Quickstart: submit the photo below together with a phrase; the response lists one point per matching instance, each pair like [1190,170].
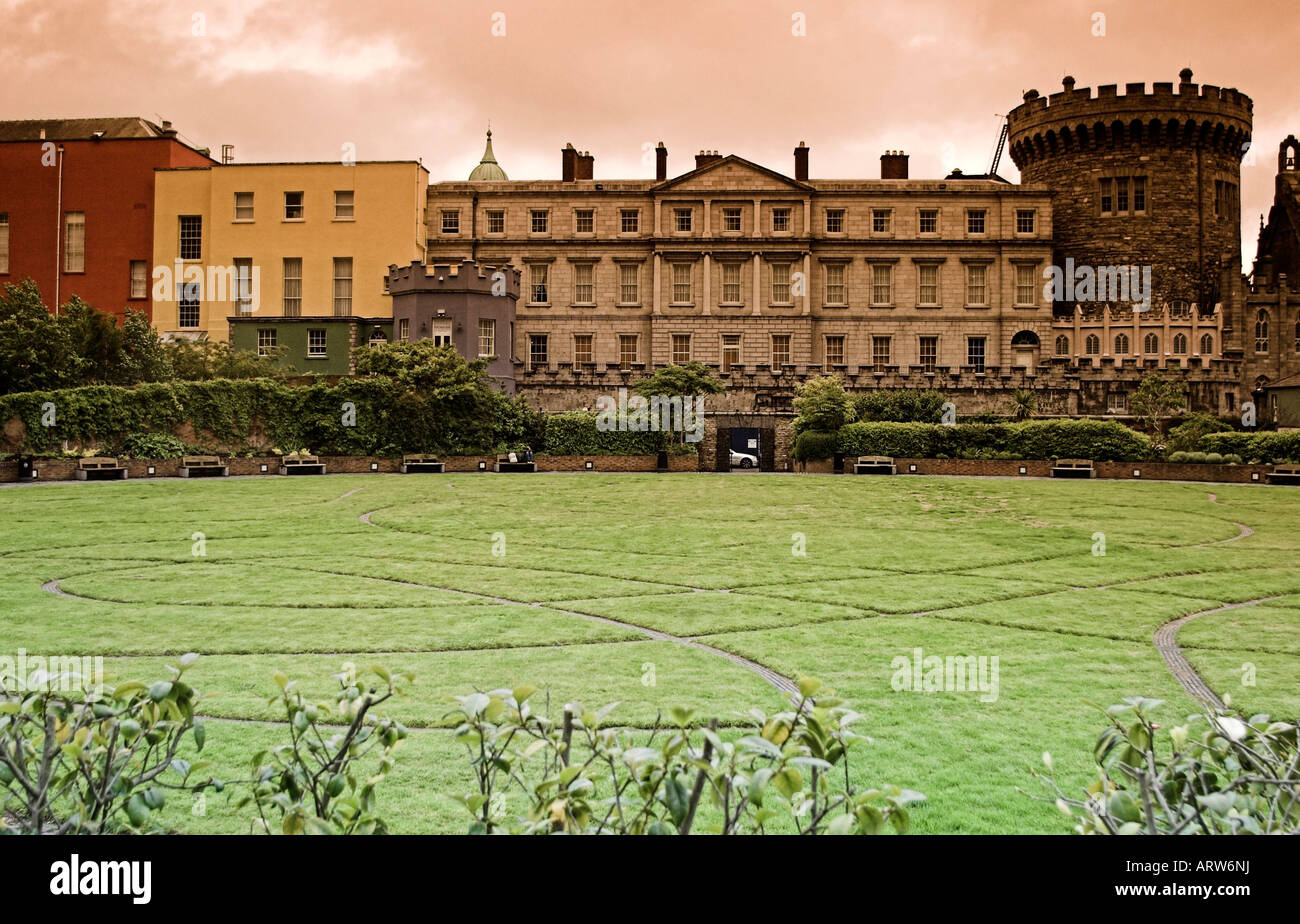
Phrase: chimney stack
[568,163]
[585,166]
[661,162]
[893,165]
[801,162]
[704,158]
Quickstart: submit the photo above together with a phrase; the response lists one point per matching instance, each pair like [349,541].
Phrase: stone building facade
[1271,330]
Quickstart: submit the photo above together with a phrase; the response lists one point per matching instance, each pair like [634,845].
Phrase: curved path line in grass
[1166,642]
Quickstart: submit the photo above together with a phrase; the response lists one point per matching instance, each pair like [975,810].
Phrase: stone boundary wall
[1039,468]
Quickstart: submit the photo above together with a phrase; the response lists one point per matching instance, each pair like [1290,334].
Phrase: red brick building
[76,206]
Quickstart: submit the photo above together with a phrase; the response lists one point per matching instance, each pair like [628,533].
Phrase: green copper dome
[488,168]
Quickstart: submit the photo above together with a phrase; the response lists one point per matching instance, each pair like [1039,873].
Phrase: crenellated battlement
[452,278]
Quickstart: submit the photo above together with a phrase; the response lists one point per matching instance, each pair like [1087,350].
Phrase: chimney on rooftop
[801,162]
[661,162]
[167,130]
[704,158]
[893,165]
[585,167]
[568,163]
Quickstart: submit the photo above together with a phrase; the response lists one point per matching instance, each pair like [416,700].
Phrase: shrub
[1217,774]
[814,444]
[1186,437]
[1101,440]
[823,404]
[911,440]
[1214,458]
[576,434]
[1278,446]
[153,446]
[899,405]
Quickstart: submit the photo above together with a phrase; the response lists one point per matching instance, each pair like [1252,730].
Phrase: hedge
[1100,440]
[814,444]
[575,434]
[1280,446]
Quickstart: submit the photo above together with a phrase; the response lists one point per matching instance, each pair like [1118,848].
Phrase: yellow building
[253,243]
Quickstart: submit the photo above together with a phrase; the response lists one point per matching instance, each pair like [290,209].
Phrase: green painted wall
[292,337]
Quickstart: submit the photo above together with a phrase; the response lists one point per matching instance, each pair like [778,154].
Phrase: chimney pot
[893,165]
[661,162]
[801,162]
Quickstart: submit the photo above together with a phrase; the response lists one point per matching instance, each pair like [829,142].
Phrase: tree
[96,343]
[35,351]
[1156,400]
[1023,404]
[201,360]
[144,355]
[685,382]
[823,404]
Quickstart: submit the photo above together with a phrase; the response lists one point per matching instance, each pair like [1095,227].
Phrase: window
[731,219]
[4,242]
[539,221]
[487,337]
[1117,402]
[451,221]
[1207,342]
[882,279]
[1180,344]
[293,206]
[626,350]
[496,221]
[537,283]
[1024,221]
[342,286]
[244,285]
[976,284]
[1139,194]
[682,217]
[929,353]
[1121,344]
[316,341]
[243,206]
[681,349]
[835,350]
[835,288]
[975,353]
[1261,331]
[881,221]
[681,283]
[1107,196]
[1123,195]
[292,287]
[628,284]
[1026,287]
[1151,344]
[880,351]
[191,245]
[927,284]
[404,329]
[834,221]
[1297,335]
[266,341]
[537,351]
[584,290]
[139,279]
[629,221]
[975,221]
[928,221]
[780,350]
[780,219]
[187,305]
[1062,345]
[730,351]
[731,283]
[583,349]
[1092,345]
[344,200]
[584,221]
[780,283]
[377,338]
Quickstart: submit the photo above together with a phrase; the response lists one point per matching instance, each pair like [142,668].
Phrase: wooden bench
[203,467]
[298,464]
[1284,474]
[875,465]
[503,464]
[100,468]
[1073,468]
[421,462]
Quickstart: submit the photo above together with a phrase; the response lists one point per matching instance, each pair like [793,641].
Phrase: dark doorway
[746,448]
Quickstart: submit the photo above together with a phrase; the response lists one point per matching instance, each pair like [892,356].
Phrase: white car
[743,460]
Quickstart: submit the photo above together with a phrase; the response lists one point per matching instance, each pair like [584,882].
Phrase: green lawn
[588,584]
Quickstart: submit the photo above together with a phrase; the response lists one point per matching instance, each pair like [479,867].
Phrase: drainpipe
[58,232]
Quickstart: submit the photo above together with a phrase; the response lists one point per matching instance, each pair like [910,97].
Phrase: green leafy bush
[153,446]
[1100,440]
[1276,446]
[1186,437]
[575,434]
[814,444]
[822,404]
[904,405]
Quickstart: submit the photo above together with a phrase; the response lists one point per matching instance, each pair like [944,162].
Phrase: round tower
[1144,178]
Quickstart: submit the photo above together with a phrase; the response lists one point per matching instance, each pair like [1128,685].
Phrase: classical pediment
[731,172]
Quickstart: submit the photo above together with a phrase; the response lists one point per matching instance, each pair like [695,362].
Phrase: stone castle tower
[1145,178]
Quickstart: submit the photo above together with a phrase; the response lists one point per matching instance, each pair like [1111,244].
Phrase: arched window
[1261,331]
[1092,346]
[1207,344]
[1180,344]
[1151,344]
[1063,345]
[1121,344]
[377,337]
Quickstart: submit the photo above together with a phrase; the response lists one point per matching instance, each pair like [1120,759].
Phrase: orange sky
[299,80]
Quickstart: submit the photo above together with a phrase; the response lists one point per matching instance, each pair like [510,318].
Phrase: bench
[421,462]
[100,468]
[1073,468]
[297,464]
[503,464]
[875,465]
[203,467]
[1284,474]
